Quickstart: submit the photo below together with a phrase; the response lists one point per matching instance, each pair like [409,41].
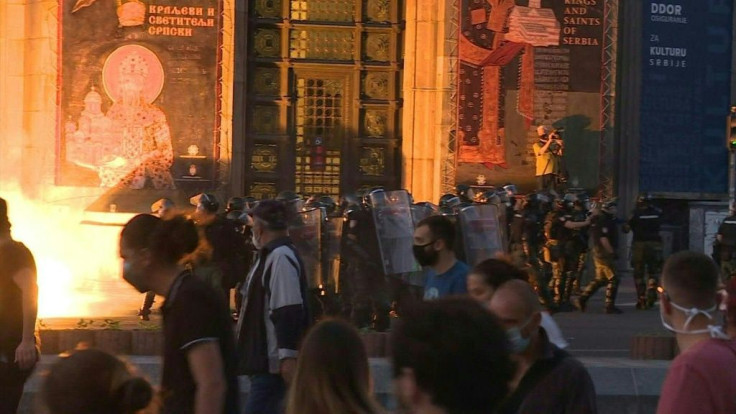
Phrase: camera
[555,147]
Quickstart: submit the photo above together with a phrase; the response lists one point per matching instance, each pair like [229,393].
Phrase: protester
[274,315]
[547,379]
[450,357]
[94,382]
[730,308]
[702,378]
[18,308]
[164,209]
[488,275]
[332,375]
[199,362]
[434,237]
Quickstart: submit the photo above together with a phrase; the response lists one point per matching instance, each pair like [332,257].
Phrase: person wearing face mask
[274,314]
[547,379]
[702,378]
[433,248]
[199,370]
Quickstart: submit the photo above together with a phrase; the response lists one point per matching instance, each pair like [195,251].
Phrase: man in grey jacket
[274,314]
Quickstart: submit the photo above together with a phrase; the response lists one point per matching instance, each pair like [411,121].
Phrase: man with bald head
[702,379]
[548,379]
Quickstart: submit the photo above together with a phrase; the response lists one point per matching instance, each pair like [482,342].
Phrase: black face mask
[424,257]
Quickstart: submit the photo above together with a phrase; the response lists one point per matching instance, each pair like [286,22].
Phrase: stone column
[428,119]
[12,34]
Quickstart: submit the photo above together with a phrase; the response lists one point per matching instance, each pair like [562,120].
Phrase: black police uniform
[727,245]
[557,236]
[603,226]
[646,253]
[368,304]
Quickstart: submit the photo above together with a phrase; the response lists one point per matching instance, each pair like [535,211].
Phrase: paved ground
[595,334]
[590,334]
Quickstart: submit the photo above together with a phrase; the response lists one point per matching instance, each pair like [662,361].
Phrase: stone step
[623,386]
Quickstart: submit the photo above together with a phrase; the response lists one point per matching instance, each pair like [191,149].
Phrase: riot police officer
[605,239]
[578,246]
[558,228]
[526,240]
[369,305]
[726,239]
[646,250]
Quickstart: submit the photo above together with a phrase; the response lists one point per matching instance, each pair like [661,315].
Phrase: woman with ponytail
[199,352]
[94,382]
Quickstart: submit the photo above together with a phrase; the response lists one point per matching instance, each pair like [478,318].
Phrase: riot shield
[481,233]
[331,250]
[394,230]
[420,211]
[305,230]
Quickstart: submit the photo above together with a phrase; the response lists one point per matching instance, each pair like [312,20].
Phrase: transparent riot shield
[421,211]
[481,232]
[305,230]
[331,250]
[394,230]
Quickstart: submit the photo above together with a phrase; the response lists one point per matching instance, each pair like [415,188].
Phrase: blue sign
[685,94]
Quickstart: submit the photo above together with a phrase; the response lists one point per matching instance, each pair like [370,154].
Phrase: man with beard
[433,247]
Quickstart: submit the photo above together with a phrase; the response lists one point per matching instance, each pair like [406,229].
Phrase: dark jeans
[547,182]
[267,392]
[12,380]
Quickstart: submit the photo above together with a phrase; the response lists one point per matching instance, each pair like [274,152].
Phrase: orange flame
[78,264]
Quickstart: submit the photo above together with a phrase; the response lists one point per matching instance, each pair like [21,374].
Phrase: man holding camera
[548,152]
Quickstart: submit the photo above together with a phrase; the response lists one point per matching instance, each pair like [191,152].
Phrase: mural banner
[139,96]
[685,97]
[524,64]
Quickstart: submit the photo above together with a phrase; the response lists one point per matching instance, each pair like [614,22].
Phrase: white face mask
[713,330]
[518,343]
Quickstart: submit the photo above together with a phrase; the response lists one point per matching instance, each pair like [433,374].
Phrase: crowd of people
[482,340]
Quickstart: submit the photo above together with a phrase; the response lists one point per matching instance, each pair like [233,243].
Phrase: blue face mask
[517,343]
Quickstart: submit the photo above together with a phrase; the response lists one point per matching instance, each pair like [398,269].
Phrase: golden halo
[154,79]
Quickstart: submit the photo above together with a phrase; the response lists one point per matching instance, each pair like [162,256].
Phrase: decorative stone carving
[376,85]
[377,47]
[267,43]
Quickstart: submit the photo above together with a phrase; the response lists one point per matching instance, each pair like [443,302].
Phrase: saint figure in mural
[493,34]
[133,78]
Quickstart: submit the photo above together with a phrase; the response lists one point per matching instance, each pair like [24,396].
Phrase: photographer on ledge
[548,152]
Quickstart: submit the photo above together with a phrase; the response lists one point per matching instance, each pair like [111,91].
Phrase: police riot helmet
[511,189]
[235,204]
[644,199]
[446,199]
[485,197]
[426,204]
[162,203]
[465,193]
[287,196]
[249,203]
[367,197]
[328,203]
[207,201]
